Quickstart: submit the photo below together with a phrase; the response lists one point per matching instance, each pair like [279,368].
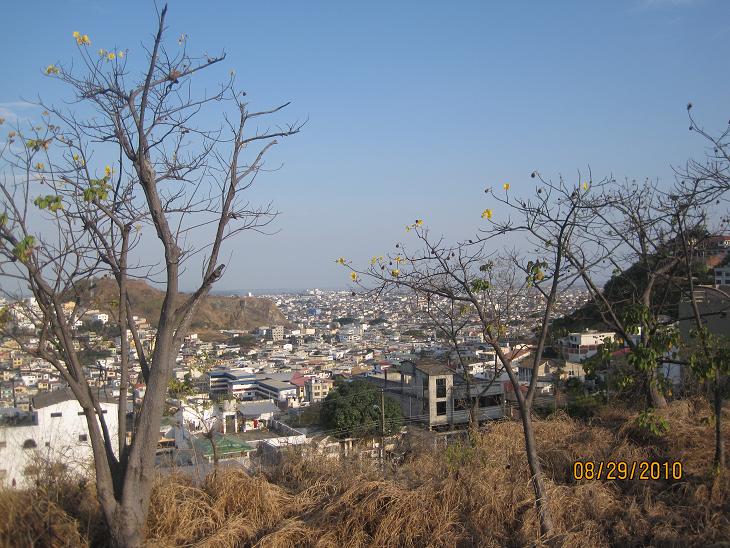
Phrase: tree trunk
[546,522]
[655,396]
[126,526]
[215,452]
[719,460]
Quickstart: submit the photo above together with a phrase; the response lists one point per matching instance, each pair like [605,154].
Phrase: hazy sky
[415,107]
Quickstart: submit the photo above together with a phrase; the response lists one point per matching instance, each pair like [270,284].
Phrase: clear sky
[415,107]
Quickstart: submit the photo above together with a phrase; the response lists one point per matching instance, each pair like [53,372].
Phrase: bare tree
[470,274]
[68,220]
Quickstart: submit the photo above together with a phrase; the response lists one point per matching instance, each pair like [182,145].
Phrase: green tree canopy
[353,409]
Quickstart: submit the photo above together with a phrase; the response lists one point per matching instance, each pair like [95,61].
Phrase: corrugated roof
[44,399]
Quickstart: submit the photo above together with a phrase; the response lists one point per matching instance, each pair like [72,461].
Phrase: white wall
[57,439]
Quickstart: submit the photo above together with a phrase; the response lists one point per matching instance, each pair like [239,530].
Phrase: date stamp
[627,470]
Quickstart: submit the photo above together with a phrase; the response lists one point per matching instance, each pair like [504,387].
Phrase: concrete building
[276,333]
[714,306]
[54,431]
[577,347]
[316,389]
[434,394]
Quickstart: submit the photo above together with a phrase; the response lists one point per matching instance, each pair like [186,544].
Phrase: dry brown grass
[468,495]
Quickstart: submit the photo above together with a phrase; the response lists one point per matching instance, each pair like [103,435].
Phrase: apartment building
[433,394]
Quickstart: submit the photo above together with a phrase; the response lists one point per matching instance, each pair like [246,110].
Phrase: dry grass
[468,495]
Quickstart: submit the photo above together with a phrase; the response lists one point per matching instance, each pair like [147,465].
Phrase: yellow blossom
[111,56]
[77,34]
[408,228]
[585,186]
[107,171]
[120,54]
[85,40]
[76,157]
[505,186]
[102,52]
[51,69]
[419,222]
[373,260]
[340,260]
[399,259]
[40,166]
[353,276]
[487,214]
[395,273]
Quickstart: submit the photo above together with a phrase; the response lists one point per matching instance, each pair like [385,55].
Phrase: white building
[55,431]
[100,317]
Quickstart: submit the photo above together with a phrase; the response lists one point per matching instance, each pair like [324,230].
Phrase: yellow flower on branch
[340,260]
[395,273]
[120,54]
[77,35]
[487,214]
[107,171]
[505,186]
[373,260]
[51,69]
[399,259]
[85,40]
[40,166]
[111,56]
[585,186]
[75,157]
[353,276]
[101,52]
[419,222]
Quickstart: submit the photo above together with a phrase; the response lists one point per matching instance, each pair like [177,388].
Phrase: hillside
[464,495]
[213,314]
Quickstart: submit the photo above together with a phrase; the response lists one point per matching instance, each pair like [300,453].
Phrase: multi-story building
[316,389]
[432,393]
[578,347]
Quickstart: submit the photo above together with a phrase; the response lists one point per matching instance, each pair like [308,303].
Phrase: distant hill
[624,289]
[213,314]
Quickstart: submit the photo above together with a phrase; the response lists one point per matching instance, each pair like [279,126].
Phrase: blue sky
[415,107]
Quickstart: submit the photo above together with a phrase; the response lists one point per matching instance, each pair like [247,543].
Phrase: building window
[29,444]
[441,408]
[3,444]
[48,444]
[56,415]
[490,401]
[440,388]
[83,437]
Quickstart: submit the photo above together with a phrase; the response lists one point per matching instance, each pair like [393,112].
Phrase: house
[579,346]
[432,393]
[316,389]
[255,414]
[55,431]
